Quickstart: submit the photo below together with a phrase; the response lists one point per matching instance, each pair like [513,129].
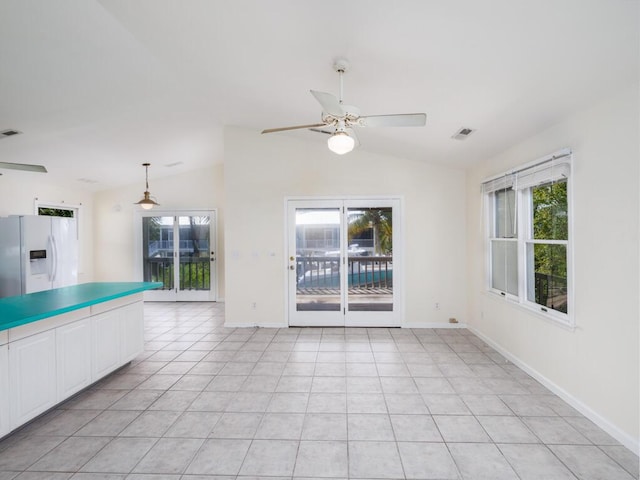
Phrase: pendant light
[147,202]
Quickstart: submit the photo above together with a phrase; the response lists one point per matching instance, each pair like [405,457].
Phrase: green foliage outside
[55,212]
[550,222]
[550,218]
[378,219]
[194,275]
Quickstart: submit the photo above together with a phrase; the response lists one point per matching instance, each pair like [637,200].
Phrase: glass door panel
[157,251]
[370,259]
[318,259]
[194,253]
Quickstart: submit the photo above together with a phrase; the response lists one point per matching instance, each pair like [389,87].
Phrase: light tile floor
[205,402]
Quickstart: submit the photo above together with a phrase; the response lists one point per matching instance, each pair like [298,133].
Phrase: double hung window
[528,248]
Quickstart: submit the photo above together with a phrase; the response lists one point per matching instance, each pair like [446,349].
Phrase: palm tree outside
[380,221]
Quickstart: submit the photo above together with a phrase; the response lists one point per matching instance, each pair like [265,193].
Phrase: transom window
[528,248]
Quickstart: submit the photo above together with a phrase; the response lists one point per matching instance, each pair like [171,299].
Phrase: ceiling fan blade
[323,130]
[23,166]
[297,127]
[329,103]
[399,120]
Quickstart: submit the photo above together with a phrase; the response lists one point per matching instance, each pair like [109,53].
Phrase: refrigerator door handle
[55,258]
[50,260]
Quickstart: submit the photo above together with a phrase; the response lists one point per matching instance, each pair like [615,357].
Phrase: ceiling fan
[18,166]
[342,118]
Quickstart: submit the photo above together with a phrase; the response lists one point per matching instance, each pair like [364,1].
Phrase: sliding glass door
[341,262]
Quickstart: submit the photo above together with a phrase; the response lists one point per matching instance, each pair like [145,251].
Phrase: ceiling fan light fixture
[147,202]
[341,143]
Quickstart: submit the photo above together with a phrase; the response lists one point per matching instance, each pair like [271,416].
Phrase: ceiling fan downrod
[341,66]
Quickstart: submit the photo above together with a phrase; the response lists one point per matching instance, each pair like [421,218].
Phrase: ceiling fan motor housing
[351,115]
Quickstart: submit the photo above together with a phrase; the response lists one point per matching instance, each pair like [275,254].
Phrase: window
[57,212]
[529,236]
[55,209]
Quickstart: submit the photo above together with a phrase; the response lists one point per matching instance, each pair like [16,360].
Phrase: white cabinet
[43,363]
[5,425]
[32,376]
[106,343]
[132,331]
[73,357]
[117,336]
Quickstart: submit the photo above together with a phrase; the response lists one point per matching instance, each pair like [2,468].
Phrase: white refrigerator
[37,253]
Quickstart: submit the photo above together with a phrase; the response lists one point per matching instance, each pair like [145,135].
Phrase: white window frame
[524,237]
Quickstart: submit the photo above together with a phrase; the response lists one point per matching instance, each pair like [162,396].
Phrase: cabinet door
[73,354]
[105,337]
[132,328]
[5,426]
[32,376]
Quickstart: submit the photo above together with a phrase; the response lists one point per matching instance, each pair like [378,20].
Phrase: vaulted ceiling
[100,86]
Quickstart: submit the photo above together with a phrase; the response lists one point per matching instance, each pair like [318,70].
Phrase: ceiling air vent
[463,133]
[9,133]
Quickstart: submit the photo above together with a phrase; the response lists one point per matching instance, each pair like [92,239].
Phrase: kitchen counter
[24,309]
[55,343]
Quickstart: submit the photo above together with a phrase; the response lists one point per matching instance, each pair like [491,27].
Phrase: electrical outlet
[436,305]
[254,305]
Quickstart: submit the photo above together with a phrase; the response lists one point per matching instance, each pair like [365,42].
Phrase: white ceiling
[99,87]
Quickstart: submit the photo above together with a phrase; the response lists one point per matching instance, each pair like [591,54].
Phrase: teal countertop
[23,309]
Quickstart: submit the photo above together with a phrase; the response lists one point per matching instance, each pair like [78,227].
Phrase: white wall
[595,366]
[114,212]
[262,170]
[18,192]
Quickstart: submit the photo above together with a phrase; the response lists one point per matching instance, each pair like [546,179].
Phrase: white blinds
[552,171]
[554,168]
[500,183]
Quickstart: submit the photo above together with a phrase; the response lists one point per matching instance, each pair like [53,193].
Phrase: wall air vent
[9,133]
[463,133]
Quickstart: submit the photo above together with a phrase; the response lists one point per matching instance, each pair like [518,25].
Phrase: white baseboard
[255,325]
[434,325]
[621,436]
[411,325]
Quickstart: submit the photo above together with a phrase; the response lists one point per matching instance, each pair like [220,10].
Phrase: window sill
[568,324]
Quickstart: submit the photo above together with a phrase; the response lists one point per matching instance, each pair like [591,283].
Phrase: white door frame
[394,318]
[178,295]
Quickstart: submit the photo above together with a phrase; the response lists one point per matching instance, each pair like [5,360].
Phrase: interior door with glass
[179,251]
[341,263]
